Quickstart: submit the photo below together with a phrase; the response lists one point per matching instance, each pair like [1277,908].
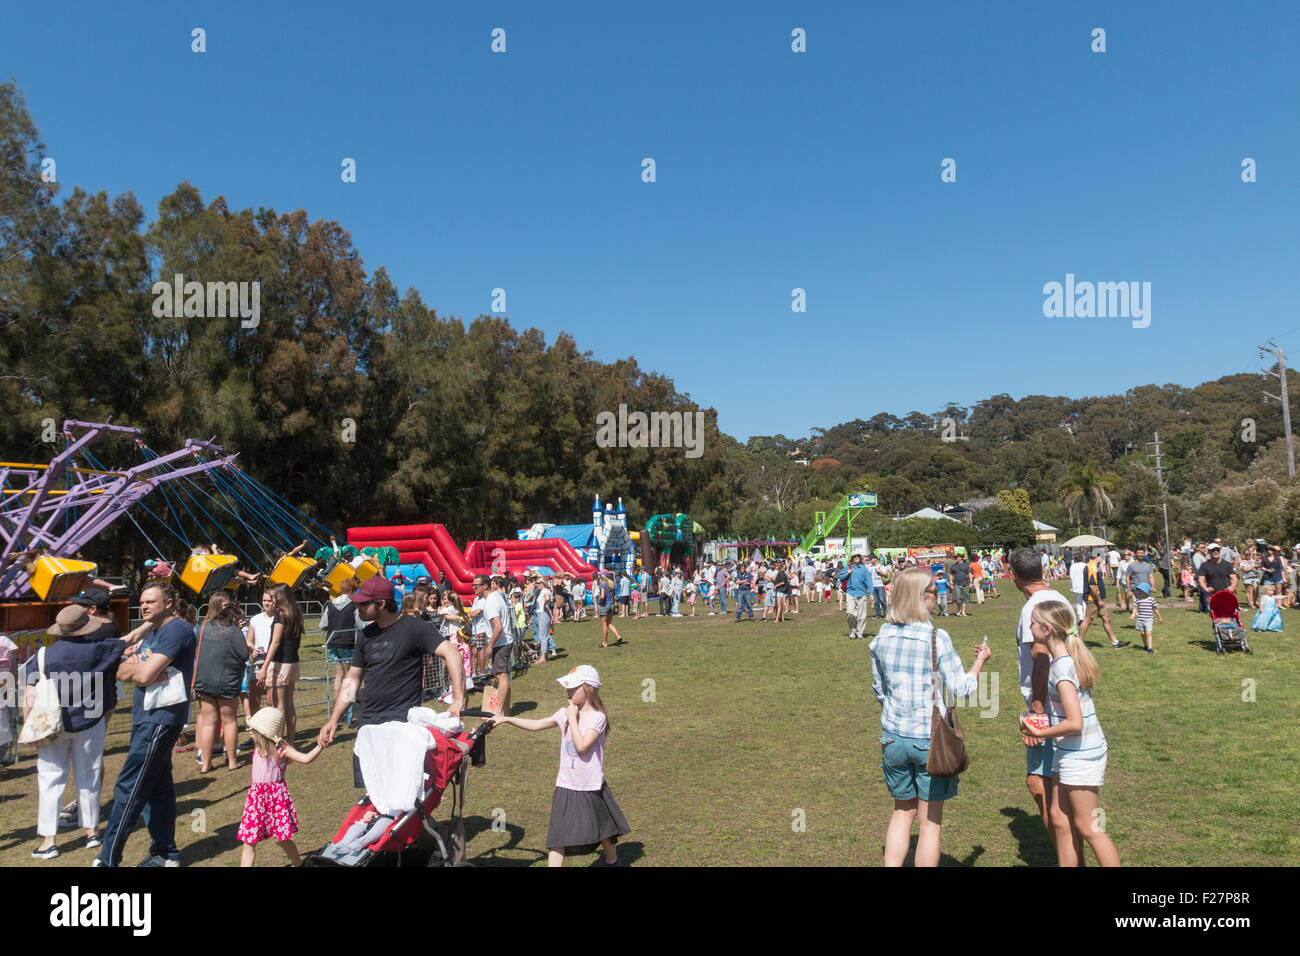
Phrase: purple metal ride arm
[106,497]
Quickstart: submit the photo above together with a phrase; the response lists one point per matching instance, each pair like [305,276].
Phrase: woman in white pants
[83,663]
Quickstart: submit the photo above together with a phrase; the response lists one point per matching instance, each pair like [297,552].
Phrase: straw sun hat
[268,722]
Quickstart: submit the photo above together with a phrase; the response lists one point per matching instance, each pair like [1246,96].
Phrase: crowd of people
[374,635]
[226,664]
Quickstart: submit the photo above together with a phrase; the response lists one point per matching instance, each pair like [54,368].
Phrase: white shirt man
[1078,570]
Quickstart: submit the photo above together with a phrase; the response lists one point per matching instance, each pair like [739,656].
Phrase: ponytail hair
[1059,616]
[593,695]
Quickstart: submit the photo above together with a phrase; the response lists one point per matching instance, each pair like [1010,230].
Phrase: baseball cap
[377,588]
[1213,547]
[92,597]
[582,674]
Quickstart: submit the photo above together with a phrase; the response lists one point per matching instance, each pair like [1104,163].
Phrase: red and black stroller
[1225,617]
[414,837]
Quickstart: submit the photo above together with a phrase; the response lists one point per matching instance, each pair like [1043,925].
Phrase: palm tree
[1087,484]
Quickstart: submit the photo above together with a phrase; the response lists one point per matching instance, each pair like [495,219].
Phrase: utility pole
[1284,398]
[1164,505]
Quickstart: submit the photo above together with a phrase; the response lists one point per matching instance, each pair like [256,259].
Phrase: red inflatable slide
[432,546]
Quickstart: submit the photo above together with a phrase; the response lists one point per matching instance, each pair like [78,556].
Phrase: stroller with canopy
[1225,618]
[370,837]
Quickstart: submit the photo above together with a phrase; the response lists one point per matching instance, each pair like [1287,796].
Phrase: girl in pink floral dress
[268,811]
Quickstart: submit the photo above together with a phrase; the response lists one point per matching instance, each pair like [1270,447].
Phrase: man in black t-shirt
[1216,574]
[390,657]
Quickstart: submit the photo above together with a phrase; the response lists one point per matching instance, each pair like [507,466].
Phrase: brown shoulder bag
[948,756]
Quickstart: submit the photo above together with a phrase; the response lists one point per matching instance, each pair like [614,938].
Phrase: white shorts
[1079,771]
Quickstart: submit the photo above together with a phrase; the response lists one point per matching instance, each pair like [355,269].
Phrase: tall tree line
[360,404]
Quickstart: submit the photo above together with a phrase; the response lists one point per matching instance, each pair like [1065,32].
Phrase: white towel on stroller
[426,717]
[392,764]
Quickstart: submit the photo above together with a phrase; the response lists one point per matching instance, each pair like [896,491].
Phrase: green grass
[750,723]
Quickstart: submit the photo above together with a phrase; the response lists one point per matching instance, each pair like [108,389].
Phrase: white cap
[582,674]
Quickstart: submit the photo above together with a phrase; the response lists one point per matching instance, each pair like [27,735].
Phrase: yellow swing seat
[60,579]
[338,572]
[292,571]
[205,573]
[365,568]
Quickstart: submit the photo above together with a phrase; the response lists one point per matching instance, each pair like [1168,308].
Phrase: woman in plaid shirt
[900,677]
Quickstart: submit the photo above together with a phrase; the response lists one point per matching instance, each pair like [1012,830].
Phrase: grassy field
[751,744]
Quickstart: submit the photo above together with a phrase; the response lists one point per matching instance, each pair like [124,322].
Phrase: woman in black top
[280,671]
[218,674]
[782,584]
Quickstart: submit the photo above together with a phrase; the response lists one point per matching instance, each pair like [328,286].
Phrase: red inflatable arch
[432,546]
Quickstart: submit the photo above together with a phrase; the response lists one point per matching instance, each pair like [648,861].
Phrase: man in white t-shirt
[497,627]
[1034,662]
[1078,571]
[1112,560]
[1121,583]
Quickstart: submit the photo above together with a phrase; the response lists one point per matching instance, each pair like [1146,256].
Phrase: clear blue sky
[775,170]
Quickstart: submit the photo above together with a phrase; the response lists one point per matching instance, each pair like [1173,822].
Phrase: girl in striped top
[1080,757]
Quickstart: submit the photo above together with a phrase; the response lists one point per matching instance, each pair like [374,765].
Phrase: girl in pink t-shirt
[583,811]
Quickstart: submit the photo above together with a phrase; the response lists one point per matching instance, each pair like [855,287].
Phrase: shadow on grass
[522,707]
[492,857]
[628,853]
[1035,846]
[19,837]
[219,841]
[945,859]
[185,788]
[1205,645]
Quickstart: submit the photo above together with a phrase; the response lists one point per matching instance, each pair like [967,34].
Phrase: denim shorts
[903,761]
[1038,760]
